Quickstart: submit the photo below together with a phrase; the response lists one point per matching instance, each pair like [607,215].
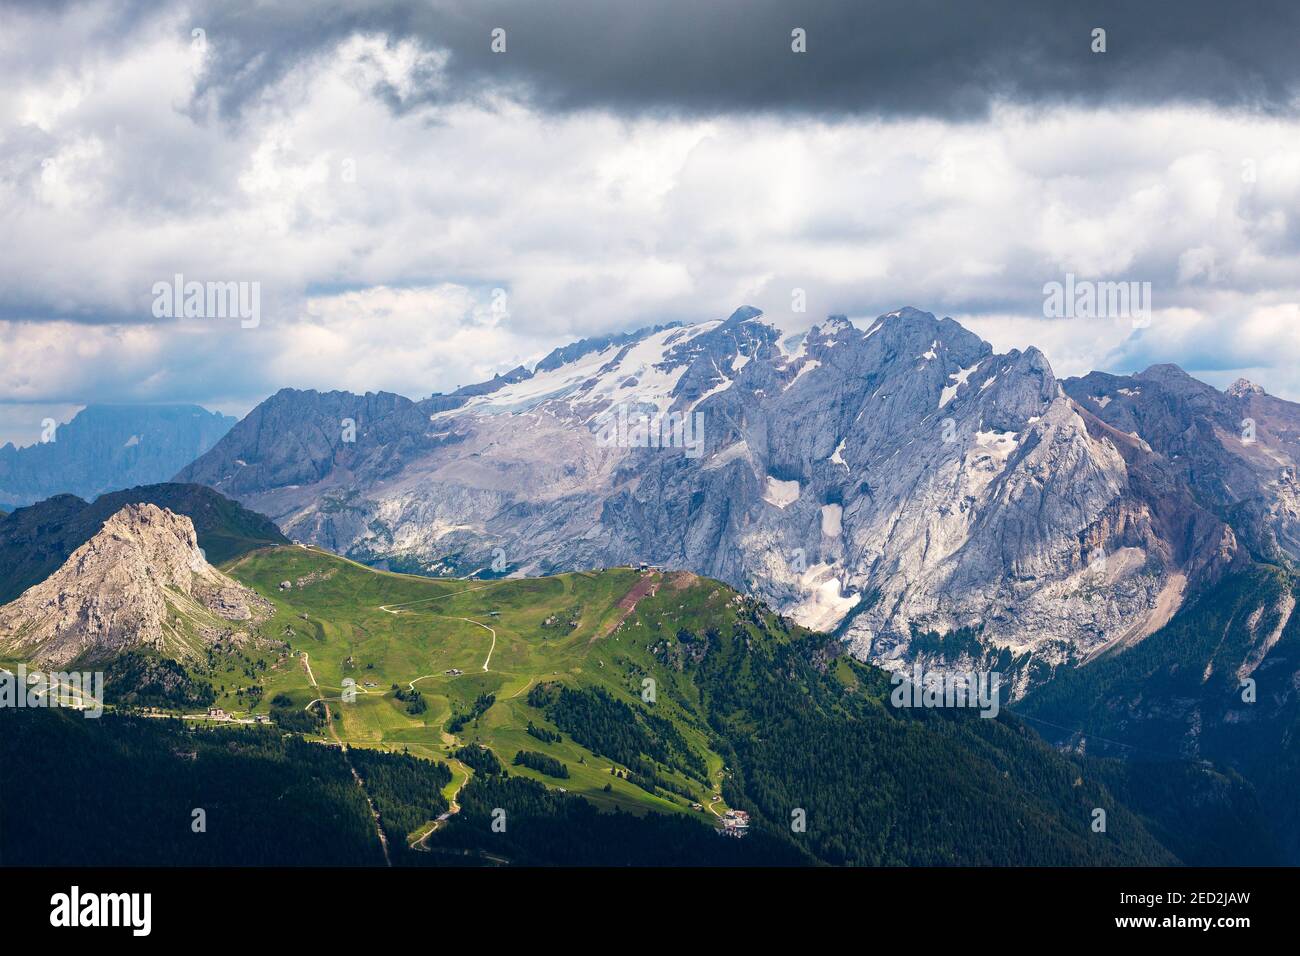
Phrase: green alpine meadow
[612,717]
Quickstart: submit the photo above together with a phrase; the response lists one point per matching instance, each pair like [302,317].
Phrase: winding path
[379,826]
[488,659]
[453,809]
[492,631]
[438,597]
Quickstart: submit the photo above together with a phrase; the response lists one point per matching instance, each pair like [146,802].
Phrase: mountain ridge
[106,448]
[890,482]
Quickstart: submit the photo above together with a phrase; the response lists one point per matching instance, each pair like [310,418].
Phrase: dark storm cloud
[897,58]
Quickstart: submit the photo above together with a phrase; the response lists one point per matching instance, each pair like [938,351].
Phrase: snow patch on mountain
[824,604]
[780,493]
[806,366]
[639,373]
[959,379]
[832,520]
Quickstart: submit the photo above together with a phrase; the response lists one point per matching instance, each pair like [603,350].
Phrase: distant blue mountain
[109,447]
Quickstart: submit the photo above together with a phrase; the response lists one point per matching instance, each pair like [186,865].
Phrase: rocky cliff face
[140,583]
[108,447]
[902,483]
[1237,450]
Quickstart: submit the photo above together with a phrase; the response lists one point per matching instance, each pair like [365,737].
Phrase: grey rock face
[903,484]
[36,540]
[140,582]
[1237,451]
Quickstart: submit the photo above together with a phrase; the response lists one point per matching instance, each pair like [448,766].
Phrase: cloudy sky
[379,170]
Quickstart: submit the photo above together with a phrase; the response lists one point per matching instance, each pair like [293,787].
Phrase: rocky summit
[902,483]
[141,583]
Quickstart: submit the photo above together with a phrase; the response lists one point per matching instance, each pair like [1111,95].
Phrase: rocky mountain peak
[890,482]
[1174,379]
[906,314]
[1243,387]
[142,581]
[1233,458]
[155,533]
[742,314]
[833,324]
[1164,372]
[908,326]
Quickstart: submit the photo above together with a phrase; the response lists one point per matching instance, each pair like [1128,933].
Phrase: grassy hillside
[660,692]
[651,698]
[505,637]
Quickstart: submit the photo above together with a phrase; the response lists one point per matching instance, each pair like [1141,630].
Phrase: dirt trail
[379,826]
[487,660]
[439,597]
[646,586]
[483,587]
[453,809]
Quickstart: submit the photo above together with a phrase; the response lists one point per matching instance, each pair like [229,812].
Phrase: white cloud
[379,280]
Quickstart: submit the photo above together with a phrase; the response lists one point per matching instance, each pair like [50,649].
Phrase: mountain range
[749,710]
[108,447]
[1120,549]
[903,485]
